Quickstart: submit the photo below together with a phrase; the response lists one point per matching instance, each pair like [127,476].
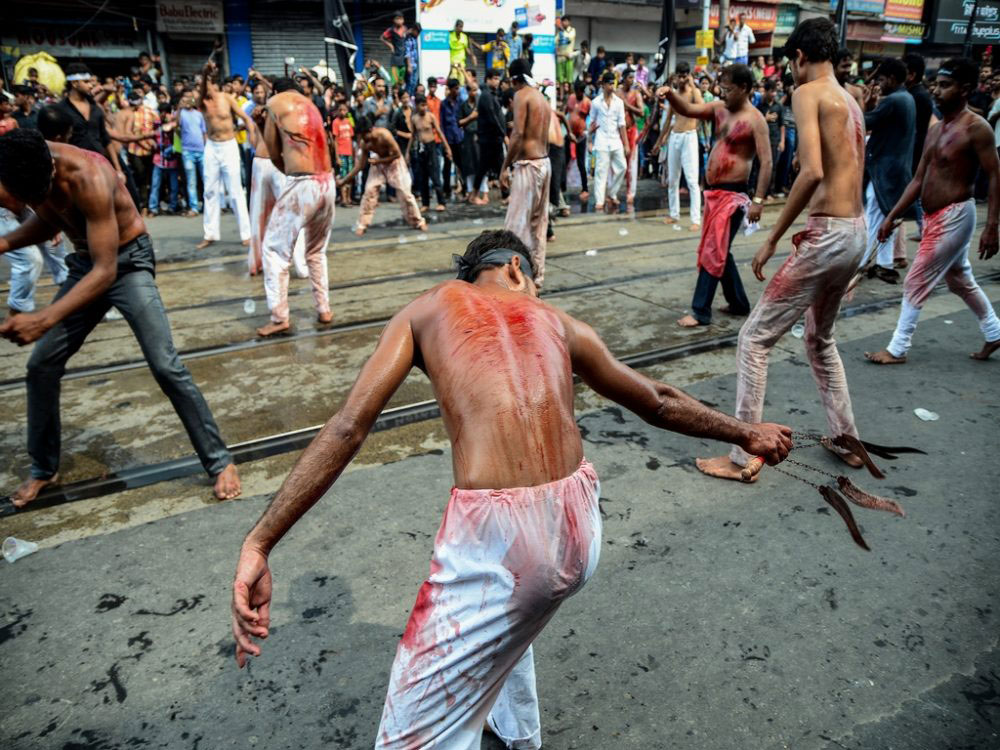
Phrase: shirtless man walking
[528,159]
[78,193]
[387,168]
[945,182]
[296,141]
[681,135]
[222,158]
[826,254]
[742,134]
[501,363]
[424,145]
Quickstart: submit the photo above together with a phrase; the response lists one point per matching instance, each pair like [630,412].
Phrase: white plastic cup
[14,549]
[249,307]
[798,330]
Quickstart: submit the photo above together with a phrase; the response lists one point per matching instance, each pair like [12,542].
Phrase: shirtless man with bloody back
[826,254]
[387,168]
[77,192]
[501,363]
[296,141]
[528,160]
[741,134]
[955,149]
[222,158]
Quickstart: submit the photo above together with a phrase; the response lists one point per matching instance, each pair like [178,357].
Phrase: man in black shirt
[24,107]
[774,114]
[492,131]
[89,129]
[915,68]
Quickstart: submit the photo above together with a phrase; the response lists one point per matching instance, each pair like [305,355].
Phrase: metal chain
[811,468]
[794,476]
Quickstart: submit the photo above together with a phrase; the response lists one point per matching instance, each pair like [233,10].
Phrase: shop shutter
[289,29]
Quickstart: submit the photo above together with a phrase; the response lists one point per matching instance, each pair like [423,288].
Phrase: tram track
[392,418]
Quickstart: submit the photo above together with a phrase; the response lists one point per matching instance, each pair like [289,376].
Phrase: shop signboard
[904,10]
[860,6]
[760,16]
[951,19]
[71,41]
[190,17]
[907,33]
[437,18]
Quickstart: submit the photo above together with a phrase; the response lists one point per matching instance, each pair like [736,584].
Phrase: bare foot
[227,484]
[360,230]
[723,468]
[245,243]
[988,348]
[584,195]
[273,329]
[598,209]
[203,244]
[613,206]
[324,318]
[695,227]
[422,226]
[191,212]
[884,358]
[29,490]
[689,321]
[669,220]
[846,456]
[439,207]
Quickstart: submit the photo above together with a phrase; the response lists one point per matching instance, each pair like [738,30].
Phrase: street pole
[723,18]
[706,15]
[842,22]
[967,49]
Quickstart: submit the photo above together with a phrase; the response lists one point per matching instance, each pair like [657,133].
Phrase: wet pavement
[713,622]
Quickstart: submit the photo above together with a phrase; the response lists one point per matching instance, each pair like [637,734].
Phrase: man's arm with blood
[323,460]
[912,191]
[663,405]
[983,141]
[806,111]
[273,141]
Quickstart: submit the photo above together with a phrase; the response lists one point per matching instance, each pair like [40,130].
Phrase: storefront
[189,30]
[761,17]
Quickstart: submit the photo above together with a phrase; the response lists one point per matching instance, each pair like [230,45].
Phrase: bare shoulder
[977,126]
[84,172]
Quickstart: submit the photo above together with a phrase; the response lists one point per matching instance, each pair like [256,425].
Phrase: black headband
[496,256]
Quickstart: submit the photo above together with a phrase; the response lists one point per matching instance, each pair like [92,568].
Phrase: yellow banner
[704,39]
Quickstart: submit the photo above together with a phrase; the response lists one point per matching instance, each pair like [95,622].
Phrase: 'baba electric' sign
[190,16]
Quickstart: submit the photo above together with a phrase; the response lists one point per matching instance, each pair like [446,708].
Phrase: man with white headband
[528,159]
[955,148]
[501,364]
[222,158]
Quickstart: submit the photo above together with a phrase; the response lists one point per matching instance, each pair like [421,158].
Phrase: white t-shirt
[610,118]
[738,41]
[996,128]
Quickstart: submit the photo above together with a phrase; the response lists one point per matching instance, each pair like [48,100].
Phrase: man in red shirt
[578,109]
[342,131]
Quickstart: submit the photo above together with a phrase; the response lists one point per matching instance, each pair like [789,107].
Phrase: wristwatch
[758,201]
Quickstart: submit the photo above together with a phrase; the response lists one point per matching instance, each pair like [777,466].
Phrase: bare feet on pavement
[245,243]
[988,348]
[227,484]
[360,230]
[422,226]
[669,220]
[439,207]
[324,319]
[29,490]
[688,321]
[273,329]
[846,456]
[722,468]
[203,244]
[884,358]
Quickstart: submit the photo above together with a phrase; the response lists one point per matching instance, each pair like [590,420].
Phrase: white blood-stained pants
[222,173]
[813,280]
[266,184]
[612,161]
[396,175]
[528,210]
[943,253]
[682,153]
[504,560]
[882,251]
[306,204]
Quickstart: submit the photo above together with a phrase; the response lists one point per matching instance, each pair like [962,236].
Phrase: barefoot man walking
[222,158]
[296,141]
[945,182]
[528,158]
[826,253]
[75,192]
[387,168]
[742,134]
[501,363]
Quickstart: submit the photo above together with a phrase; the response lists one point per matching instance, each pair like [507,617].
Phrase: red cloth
[720,205]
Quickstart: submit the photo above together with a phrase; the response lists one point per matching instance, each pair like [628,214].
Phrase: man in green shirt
[565,56]
[460,45]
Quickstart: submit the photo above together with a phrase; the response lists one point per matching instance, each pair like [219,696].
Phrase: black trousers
[490,160]
[581,163]
[456,159]
[732,285]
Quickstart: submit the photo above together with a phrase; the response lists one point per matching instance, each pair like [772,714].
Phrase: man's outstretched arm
[317,469]
[700,110]
[29,232]
[663,405]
